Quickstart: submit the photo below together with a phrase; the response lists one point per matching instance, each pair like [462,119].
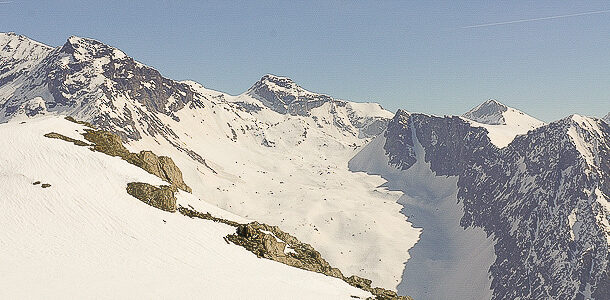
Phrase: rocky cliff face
[543,198]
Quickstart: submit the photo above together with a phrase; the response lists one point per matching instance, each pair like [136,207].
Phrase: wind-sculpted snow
[543,198]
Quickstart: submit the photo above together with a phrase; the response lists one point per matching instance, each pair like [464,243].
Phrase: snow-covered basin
[85,237]
[447,262]
[303,185]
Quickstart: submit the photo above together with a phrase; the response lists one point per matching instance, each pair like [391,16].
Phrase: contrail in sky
[6,2]
[538,19]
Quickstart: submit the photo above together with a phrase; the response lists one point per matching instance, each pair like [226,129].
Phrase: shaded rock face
[525,196]
[489,112]
[159,197]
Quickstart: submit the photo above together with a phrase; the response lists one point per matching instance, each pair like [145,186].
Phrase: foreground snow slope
[84,236]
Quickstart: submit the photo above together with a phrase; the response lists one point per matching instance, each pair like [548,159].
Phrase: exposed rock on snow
[161,166]
[272,243]
[161,197]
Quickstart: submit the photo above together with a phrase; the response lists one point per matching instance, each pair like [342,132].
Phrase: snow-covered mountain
[491,204]
[236,152]
[526,221]
[607,118]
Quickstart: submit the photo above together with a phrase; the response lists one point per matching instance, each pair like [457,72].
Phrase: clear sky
[424,56]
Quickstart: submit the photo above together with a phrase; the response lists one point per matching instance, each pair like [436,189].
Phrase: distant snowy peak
[17,46]
[607,118]
[85,49]
[490,112]
[503,123]
[283,95]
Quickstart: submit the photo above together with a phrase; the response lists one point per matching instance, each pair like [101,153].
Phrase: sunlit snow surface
[85,237]
[300,182]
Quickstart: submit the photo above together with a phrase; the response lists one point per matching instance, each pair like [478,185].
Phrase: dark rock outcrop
[159,197]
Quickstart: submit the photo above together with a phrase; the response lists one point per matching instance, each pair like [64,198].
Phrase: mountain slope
[541,201]
[84,235]
[235,151]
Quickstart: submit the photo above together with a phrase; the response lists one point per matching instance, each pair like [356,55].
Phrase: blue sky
[404,54]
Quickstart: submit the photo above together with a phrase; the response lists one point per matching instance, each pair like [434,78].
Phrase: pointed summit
[283,95]
[490,112]
[503,123]
[607,118]
[86,49]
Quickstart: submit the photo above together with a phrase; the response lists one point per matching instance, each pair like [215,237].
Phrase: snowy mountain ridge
[492,204]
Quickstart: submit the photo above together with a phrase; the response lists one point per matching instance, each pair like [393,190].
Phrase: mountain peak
[503,123]
[283,95]
[490,112]
[277,79]
[18,46]
[85,48]
[607,118]
[279,84]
